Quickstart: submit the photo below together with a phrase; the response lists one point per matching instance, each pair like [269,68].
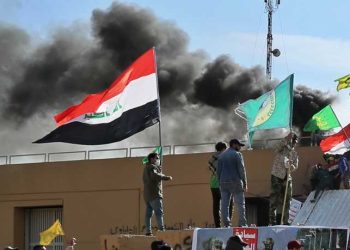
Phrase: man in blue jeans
[153,193]
[233,182]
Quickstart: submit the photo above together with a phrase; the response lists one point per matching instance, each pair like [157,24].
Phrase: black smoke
[47,78]
[225,83]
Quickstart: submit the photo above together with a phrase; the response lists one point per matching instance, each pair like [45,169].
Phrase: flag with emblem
[343,82]
[271,110]
[128,106]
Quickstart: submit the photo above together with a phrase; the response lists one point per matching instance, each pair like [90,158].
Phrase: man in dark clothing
[322,180]
[235,243]
[344,170]
[39,247]
[333,169]
[153,193]
[233,182]
[160,245]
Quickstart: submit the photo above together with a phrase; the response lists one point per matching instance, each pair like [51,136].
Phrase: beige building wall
[101,197]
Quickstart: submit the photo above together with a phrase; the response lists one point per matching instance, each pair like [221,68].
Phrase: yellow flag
[343,82]
[48,235]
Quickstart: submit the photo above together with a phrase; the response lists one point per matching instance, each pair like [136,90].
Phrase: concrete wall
[105,196]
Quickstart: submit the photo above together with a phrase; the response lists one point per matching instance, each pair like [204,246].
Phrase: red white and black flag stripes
[127,107]
[338,143]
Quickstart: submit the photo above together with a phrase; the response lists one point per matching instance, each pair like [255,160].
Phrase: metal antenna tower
[270,7]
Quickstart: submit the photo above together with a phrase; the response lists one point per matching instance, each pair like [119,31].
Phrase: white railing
[127,152]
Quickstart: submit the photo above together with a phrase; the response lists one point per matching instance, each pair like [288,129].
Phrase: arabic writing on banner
[270,238]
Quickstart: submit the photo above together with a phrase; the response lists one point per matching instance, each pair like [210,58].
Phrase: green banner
[272,110]
[323,120]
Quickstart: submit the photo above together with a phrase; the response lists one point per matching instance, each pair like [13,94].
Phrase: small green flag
[272,110]
[157,150]
[343,82]
[323,120]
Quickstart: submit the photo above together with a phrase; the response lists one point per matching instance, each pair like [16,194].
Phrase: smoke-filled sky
[53,54]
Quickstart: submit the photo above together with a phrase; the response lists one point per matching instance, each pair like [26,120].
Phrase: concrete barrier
[178,239]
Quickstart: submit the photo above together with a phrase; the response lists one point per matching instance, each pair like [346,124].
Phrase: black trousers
[216,205]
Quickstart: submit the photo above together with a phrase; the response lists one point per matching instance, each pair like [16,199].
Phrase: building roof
[331,209]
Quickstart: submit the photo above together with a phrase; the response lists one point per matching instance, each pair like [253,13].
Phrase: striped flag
[127,107]
[337,143]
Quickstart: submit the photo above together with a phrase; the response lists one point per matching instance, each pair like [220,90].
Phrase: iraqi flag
[337,143]
[127,107]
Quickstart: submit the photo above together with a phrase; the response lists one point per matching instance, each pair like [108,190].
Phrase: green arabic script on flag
[323,120]
[271,110]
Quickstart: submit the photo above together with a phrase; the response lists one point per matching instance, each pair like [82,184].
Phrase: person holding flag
[285,161]
[153,193]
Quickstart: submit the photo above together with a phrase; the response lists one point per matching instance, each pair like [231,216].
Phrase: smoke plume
[197,95]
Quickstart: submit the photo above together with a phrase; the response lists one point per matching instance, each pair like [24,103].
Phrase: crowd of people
[228,182]
[229,177]
[70,246]
[330,175]
[228,185]
[286,160]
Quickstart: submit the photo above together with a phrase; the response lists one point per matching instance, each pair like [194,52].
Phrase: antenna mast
[270,7]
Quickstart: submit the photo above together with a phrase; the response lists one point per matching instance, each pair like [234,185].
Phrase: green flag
[272,110]
[157,150]
[323,120]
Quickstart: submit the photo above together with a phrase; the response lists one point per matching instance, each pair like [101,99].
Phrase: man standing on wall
[214,183]
[233,182]
[153,193]
[285,161]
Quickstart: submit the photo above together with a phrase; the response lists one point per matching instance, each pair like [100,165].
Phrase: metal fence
[128,152]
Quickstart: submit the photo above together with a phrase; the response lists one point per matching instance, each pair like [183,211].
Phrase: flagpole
[160,117]
[347,137]
[288,170]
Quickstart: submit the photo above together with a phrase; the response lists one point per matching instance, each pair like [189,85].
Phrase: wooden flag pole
[285,195]
[288,170]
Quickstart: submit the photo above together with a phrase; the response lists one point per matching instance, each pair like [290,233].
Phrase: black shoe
[149,234]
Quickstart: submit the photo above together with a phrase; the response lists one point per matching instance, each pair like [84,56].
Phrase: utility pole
[270,7]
